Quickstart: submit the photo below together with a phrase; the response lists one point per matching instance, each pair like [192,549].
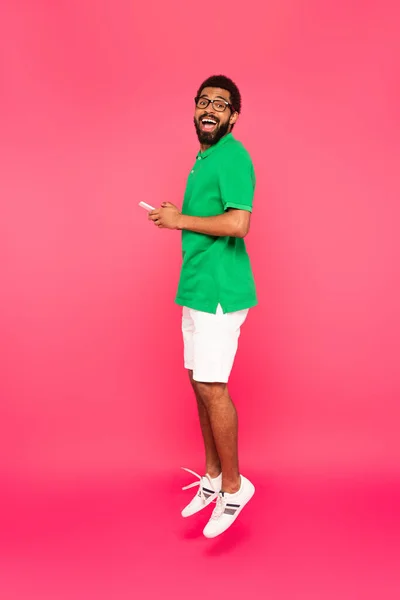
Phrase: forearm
[226,224]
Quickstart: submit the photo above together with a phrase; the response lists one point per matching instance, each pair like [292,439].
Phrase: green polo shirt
[216,270]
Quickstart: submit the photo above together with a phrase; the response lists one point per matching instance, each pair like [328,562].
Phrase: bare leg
[213,464]
[224,425]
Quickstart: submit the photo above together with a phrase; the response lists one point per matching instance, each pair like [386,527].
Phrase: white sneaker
[208,492]
[228,508]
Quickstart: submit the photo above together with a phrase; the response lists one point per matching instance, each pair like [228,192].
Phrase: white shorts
[210,343]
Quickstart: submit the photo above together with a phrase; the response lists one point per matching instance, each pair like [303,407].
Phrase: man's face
[212,124]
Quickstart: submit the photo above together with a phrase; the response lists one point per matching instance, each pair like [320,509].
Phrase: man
[216,290]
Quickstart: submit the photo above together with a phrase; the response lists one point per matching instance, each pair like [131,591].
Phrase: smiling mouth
[208,124]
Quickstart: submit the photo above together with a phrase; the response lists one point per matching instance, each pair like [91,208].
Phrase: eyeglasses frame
[227,104]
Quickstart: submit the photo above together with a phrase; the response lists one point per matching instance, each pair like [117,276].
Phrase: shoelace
[220,506]
[192,485]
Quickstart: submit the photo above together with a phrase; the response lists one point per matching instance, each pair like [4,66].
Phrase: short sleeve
[237,181]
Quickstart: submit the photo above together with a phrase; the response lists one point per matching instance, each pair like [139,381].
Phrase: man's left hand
[166,217]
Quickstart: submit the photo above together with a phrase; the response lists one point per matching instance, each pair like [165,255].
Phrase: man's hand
[167,216]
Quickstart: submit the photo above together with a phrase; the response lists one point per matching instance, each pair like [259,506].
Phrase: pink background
[96,115]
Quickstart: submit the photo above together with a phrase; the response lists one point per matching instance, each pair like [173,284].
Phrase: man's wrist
[181,222]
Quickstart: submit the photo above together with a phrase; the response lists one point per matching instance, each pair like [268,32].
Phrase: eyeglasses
[218,104]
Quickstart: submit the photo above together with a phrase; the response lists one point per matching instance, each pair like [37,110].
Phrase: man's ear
[234,118]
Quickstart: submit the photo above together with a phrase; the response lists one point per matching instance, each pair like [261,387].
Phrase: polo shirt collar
[214,147]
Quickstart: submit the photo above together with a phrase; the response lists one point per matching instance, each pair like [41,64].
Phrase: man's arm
[233,222]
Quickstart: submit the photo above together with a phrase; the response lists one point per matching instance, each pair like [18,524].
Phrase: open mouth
[208,124]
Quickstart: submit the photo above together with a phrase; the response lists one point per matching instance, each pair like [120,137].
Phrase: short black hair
[220,81]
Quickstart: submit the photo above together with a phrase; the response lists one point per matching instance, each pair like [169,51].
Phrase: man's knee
[210,392]
[207,392]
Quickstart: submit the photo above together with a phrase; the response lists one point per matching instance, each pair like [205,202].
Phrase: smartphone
[146,206]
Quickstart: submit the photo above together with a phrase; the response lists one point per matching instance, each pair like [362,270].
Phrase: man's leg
[236,490]
[211,344]
[210,484]
[221,414]
[213,463]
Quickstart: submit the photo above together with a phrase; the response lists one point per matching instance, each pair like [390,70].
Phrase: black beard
[211,138]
